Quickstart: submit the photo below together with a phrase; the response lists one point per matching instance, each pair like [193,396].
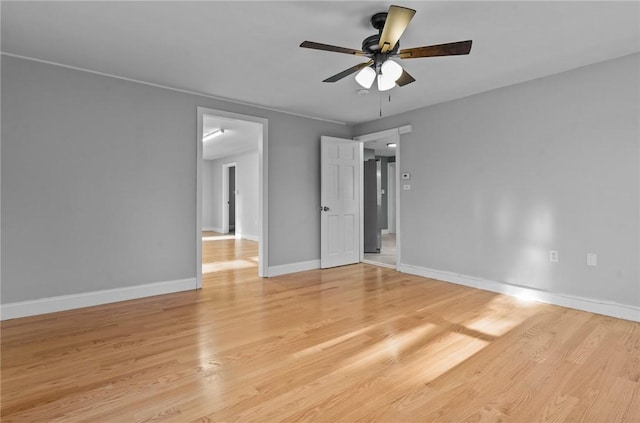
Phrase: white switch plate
[406,187]
[406,176]
[592,259]
[553,256]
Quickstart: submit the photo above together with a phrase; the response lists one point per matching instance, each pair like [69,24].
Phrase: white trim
[380,264]
[607,308]
[166,87]
[89,299]
[294,267]
[398,203]
[395,133]
[199,195]
[263,188]
[385,231]
[248,237]
[212,229]
[391,208]
[384,134]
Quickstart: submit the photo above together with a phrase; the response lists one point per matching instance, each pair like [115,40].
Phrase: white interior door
[341,164]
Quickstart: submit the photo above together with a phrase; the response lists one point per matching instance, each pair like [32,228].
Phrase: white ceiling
[239,137]
[248,51]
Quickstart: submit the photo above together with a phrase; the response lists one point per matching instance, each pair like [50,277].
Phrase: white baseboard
[385,231]
[247,237]
[88,299]
[607,308]
[293,268]
[212,229]
[380,264]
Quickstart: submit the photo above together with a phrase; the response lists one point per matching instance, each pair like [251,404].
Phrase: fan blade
[397,21]
[349,71]
[327,47]
[405,79]
[449,49]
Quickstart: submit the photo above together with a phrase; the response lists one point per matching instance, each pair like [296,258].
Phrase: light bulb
[385,83]
[365,77]
[391,69]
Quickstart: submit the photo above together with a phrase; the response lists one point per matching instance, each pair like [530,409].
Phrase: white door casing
[394,132]
[263,191]
[391,198]
[341,164]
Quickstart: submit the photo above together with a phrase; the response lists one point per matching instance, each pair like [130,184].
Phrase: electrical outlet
[592,259]
[406,187]
[553,256]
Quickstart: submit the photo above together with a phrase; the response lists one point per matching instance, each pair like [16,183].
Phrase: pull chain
[389,100]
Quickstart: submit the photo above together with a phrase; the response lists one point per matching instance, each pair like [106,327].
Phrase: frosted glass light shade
[391,70]
[365,77]
[385,82]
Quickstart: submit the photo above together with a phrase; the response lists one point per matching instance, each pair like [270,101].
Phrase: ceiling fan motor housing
[371,45]
[378,20]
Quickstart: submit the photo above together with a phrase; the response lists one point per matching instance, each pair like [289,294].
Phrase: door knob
[325,208]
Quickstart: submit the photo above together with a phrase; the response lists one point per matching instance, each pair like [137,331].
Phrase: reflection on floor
[224,256]
[387,253]
[356,343]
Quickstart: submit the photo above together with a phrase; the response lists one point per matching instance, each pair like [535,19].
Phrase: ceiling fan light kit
[385,82]
[380,48]
[365,77]
[391,69]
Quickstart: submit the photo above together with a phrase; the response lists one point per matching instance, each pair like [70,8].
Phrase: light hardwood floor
[353,344]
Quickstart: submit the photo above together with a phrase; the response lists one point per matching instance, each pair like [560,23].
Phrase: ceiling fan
[382,47]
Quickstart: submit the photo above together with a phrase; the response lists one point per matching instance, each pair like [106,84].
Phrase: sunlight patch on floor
[439,357]
[218,237]
[391,347]
[330,343]
[494,326]
[227,265]
[492,323]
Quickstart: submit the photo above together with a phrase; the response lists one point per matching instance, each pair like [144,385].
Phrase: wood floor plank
[352,344]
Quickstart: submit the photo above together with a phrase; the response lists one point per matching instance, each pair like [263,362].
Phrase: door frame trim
[263,191]
[388,133]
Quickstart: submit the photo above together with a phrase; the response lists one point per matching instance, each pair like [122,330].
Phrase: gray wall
[501,178]
[247,186]
[98,182]
[208,196]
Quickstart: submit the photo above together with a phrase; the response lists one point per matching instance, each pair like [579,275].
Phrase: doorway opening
[380,188]
[231,206]
[229,198]
[379,157]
